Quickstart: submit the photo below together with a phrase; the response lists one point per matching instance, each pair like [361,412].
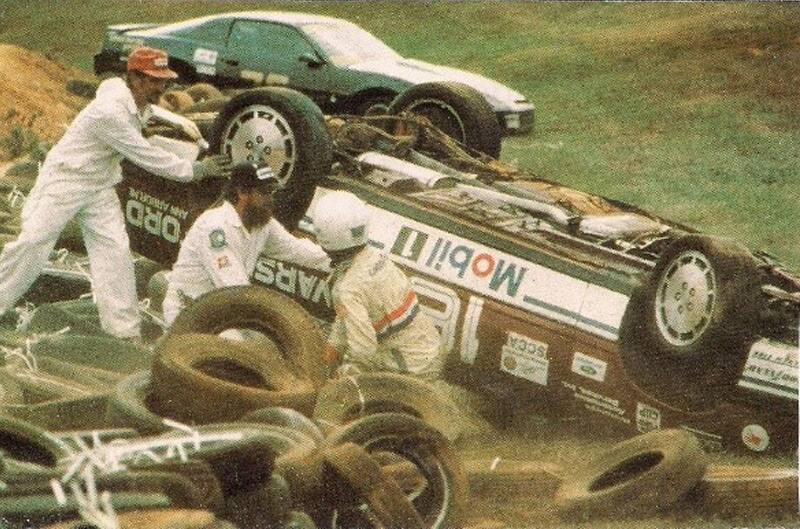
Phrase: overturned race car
[546,296]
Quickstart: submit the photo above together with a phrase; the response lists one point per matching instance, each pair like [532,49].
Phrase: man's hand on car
[218,165]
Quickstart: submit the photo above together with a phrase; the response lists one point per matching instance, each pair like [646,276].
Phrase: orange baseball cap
[150,61]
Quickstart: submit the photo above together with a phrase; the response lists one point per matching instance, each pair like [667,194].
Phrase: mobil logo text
[459,259]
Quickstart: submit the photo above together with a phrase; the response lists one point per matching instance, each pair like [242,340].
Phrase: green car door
[268,53]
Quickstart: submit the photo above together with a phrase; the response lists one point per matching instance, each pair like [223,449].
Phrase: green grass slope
[691,111]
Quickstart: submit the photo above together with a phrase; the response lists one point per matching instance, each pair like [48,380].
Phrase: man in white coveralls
[222,246]
[77,181]
[379,324]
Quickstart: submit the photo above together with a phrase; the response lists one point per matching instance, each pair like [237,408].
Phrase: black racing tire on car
[456,109]
[234,378]
[132,405]
[639,476]
[297,335]
[694,318]
[443,503]
[28,443]
[349,398]
[372,104]
[285,418]
[284,129]
[203,92]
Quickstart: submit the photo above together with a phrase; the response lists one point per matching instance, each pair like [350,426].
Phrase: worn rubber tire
[287,418]
[176,100]
[263,507]
[308,136]
[233,377]
[467,116]
[100,352]
[132,405]
[639,476]
[349,398]
[203,91]
[298,336]
[153,519]
[199,473]
[358,479]
[703,371]
[28,443]
[444,502]
[744,491]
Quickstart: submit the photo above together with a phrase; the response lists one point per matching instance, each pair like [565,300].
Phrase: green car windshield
[347,44]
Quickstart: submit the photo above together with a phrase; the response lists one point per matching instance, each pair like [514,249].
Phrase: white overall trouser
[99,215]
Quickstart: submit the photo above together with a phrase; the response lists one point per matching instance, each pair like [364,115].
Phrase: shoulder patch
[217,239]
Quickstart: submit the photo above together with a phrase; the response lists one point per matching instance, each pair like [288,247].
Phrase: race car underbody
[548,298]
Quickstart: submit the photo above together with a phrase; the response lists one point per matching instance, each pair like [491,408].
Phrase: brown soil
[35,97]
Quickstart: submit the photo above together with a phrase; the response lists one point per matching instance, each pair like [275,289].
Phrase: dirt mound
[34,97]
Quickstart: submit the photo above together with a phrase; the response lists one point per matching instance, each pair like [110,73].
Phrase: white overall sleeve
[284,246]
[114,129]
[361,341]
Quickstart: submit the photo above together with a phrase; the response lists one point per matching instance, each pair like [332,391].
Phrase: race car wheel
[285,130]
[442,503]
[296,334]
[233,377]
[695,318]
[637,476]
[457,110]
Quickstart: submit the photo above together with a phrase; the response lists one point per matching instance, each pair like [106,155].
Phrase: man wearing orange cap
[77,181]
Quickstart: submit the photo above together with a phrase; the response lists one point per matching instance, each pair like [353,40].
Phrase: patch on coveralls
[217,239]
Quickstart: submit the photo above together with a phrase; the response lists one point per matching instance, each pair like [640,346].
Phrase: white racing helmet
[341,221]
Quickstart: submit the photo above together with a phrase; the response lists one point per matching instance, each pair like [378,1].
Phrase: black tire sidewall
[481,128]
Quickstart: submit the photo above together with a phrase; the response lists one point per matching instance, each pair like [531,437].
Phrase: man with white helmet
[222,246]
[379,324]
[77,181]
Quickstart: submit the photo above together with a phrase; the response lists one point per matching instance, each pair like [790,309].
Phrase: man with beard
[77,181]
[223,244]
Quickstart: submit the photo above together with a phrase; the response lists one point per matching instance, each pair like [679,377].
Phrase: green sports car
[342,67]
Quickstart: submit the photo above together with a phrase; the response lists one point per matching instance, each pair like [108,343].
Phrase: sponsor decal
[589,367]
[305,285]
[647,417]
[223,262]
[710,442]
[755,437]
[204,56]
[597,403]
[524,357]
[499,275]
[153,215]
[771,367]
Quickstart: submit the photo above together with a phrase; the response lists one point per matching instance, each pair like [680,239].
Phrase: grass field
[691,111]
